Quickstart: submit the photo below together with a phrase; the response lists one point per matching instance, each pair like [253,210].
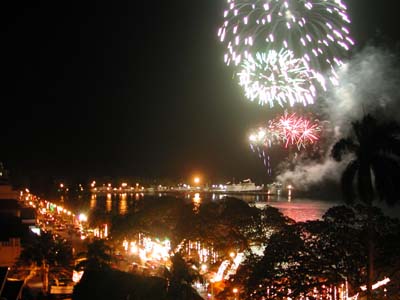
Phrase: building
[10,222]
[10,239]
[28,216]
[6,190]
[10,207]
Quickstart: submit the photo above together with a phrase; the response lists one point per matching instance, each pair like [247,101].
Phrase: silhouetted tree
[117,285]
[97,257]
[156,217]
[48,254]
[180,278]
[375,167]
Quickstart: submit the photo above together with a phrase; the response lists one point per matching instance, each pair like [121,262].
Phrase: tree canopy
[315,255]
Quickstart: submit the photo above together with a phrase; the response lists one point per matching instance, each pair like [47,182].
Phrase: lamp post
[212,288]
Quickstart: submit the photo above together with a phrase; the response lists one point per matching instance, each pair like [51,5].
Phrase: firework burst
[278,77]
[286,130]
[315,30]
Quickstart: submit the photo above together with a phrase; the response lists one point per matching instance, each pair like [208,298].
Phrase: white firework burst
[315,30]
[278,77]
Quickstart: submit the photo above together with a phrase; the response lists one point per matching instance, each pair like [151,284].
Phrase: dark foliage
[117,285]
[375,148]
[317,254]
[97,256]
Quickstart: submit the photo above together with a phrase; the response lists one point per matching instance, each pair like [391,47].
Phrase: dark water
[119,204]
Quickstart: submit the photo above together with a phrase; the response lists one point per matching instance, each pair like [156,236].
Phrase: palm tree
[45,252]
[373,171]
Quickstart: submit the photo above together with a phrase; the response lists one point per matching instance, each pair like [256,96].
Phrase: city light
[376,285]
[235,291]
[148,249]
[203,267]
[289,187]
[196,197]
[76,276]
[82,217]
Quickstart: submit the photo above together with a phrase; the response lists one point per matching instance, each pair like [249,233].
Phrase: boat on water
[247,185]
[244,186]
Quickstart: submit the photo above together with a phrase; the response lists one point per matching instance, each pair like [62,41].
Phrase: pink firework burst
[296,130]
[288,129]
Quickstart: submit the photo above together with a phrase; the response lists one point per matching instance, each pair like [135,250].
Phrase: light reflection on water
[108,203]
[297,209]
[93,201]
[123,206]
[301,210]
[196,203]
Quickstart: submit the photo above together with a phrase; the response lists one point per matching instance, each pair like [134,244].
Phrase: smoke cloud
[368,83]
[310,173]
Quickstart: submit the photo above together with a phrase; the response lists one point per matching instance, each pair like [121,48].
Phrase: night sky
[132,88]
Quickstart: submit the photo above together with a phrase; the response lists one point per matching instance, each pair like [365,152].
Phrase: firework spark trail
[263,156]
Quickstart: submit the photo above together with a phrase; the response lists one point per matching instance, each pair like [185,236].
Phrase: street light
[83,217]
[235,292]
[203,268]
